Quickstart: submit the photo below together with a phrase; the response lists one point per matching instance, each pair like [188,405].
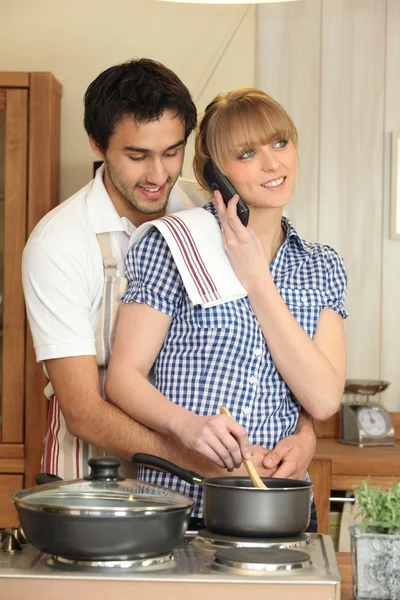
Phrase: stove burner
[10,544]
[141,564]
[12,540]
[210,540]
[260,560]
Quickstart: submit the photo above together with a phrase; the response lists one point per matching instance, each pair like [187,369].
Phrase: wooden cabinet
[8,485]
[29,187]
[339,466]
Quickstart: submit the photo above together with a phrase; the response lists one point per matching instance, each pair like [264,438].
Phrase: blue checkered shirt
[218,356]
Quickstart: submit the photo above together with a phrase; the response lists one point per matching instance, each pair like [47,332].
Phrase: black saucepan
[102,517]
[232,506]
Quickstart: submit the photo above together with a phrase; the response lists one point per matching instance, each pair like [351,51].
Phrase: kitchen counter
[378,461]
[339,466]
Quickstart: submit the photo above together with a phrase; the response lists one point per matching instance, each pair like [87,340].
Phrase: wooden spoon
[250,468]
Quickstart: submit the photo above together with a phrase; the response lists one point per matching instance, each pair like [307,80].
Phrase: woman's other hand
[219,437]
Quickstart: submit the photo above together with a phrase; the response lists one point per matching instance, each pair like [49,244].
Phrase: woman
[264,356]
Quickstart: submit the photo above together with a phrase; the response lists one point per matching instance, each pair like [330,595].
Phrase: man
[138,116]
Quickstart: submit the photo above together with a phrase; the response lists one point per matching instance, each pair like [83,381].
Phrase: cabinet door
[8,485]
[13,197]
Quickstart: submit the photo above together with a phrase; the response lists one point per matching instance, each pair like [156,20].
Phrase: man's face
[142,163]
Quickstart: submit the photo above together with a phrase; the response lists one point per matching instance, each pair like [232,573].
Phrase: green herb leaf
[378,508]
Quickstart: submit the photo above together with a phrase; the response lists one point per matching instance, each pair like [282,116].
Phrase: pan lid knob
[104,468]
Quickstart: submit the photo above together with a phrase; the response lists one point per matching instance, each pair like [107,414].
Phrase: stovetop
[193,560]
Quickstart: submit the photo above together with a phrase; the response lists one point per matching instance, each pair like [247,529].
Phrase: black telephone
[217,181]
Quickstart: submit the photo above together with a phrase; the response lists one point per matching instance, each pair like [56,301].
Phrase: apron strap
[109,262]
[63,454]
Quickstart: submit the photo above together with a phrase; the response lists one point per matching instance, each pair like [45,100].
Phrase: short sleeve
[153,277]
[57,301]
[336,281]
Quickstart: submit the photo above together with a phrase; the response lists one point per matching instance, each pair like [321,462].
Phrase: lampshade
[227,1]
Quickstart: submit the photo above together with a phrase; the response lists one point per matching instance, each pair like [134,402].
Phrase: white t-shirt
[62,269]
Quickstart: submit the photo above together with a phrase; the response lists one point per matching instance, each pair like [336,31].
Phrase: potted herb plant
[375,544]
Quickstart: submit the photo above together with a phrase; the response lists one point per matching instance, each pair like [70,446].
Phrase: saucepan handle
[41,478]
[155,461]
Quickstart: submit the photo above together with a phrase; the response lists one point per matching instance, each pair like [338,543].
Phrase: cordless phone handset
[216,180]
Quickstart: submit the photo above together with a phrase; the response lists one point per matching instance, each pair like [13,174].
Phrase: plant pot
[375,561]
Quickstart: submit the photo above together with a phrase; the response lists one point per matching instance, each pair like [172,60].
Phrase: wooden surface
[44,194]
[35,413]
[11,451]
[12,459]
[350,460]
[346,482]
[339,466]
[32,155]
[12,465]
[344,564]
[11,79]
[8,485]
[320,475]
[14,240]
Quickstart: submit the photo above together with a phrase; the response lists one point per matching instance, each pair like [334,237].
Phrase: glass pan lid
[104,496]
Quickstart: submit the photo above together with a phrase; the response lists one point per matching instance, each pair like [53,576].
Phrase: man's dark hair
[142,88]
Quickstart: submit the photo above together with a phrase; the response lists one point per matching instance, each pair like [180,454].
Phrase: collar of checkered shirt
[293,237]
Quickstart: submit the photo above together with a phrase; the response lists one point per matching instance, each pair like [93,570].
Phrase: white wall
[76,40]
[335,66]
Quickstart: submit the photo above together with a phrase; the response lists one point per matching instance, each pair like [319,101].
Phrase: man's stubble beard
[141,206]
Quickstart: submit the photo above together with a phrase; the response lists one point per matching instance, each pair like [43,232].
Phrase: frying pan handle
[166,465]
[46,478]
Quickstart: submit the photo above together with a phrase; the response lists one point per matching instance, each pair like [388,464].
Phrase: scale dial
[373,421]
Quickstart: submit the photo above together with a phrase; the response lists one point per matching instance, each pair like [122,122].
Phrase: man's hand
[291,456]
[258,459]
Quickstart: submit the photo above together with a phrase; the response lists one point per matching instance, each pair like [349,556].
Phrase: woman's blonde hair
[236,122]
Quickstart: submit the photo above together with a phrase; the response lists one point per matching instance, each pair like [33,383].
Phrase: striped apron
[63,454]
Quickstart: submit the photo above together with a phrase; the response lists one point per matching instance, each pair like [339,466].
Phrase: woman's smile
[275,184]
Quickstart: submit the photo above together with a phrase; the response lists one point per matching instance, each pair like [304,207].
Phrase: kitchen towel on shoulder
[196,244]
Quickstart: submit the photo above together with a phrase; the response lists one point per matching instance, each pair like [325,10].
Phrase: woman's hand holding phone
[216,180]
[242,245]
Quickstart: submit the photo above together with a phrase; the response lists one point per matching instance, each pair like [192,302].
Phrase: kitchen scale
[366,423]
